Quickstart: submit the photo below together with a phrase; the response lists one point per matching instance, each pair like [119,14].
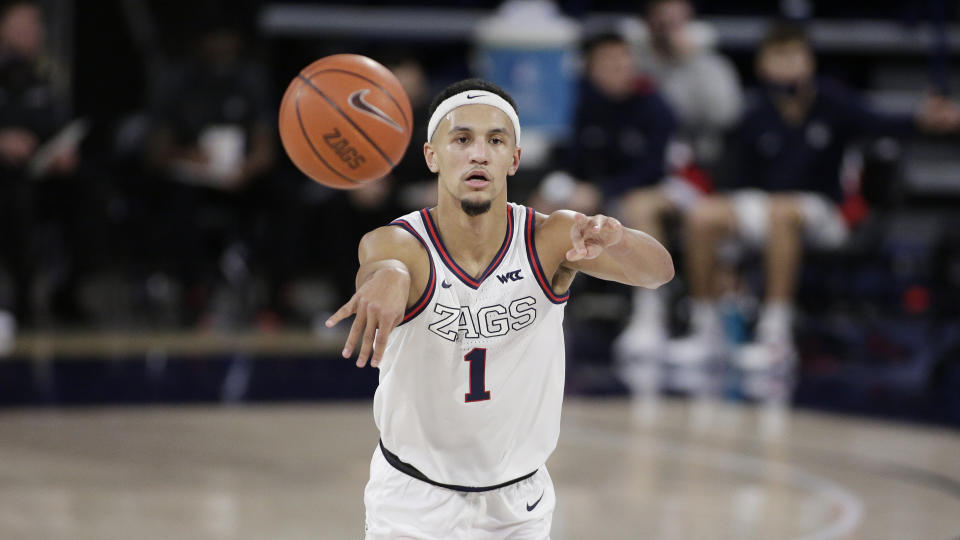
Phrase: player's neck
[471,240]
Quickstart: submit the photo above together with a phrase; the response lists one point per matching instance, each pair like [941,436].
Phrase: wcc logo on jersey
[451,323]
[510,276]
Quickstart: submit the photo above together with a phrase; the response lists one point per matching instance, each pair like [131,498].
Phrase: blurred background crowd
[801,160]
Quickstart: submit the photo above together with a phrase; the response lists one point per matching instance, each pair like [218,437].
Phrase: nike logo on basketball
[510,276]
[474,96]
[358,102]
[444,284]
[530,507]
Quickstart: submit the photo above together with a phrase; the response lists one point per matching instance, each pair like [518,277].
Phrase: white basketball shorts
[400,506]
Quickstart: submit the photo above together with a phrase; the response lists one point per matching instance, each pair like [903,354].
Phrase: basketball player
[461,308]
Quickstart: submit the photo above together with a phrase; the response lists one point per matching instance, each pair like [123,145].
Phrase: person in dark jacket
[620,132]
[616,158]
[32,111]
[209,153]
[791,141]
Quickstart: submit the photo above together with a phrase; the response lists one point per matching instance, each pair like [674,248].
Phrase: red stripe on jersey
[503,248]
[534,261]
[452,264]
[427,295]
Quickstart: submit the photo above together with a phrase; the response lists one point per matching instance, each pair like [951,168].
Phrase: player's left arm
[602,247]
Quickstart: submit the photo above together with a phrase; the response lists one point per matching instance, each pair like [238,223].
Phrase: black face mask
[783,90]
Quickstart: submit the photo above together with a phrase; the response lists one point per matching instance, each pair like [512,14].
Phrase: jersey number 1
[478,366]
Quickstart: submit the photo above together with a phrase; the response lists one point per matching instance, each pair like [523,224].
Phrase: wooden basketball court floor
[672,469]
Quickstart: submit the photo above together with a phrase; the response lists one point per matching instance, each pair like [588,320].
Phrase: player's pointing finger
[345,311]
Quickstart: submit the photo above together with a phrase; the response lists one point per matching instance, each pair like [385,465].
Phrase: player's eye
[496,140]
[462,139]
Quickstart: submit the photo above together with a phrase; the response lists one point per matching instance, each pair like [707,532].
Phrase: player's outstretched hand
[379,305]
[591,235]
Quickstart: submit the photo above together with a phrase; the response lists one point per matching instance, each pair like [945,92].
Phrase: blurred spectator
[790,142]
[212,118]
[211,142]
[32,112]
[615,163]
[415,186]
[620,133]
[700,85]
[703,90]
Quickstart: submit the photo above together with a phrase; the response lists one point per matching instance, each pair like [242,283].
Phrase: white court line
[850,505]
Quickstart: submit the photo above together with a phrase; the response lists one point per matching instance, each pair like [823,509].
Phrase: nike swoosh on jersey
[358,102]
[530,507]
[444,284]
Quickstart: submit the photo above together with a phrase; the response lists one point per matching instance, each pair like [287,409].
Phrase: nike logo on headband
[358,102]
[467,97]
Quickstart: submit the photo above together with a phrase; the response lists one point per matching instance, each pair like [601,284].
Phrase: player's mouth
[477,179]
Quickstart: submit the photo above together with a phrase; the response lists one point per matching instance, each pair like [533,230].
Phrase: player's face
[473,151]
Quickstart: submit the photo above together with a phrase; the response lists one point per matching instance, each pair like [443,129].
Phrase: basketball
[345,121]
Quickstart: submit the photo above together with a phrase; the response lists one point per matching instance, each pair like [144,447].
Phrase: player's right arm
[394,269]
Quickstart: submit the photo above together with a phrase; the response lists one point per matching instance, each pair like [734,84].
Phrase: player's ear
[516,161]
[430,155]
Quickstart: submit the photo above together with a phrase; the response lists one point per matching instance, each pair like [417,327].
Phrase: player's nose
[479,151]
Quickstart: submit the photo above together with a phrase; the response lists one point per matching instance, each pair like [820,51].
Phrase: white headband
[473,97]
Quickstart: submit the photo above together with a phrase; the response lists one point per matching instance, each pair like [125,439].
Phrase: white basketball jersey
[471,382]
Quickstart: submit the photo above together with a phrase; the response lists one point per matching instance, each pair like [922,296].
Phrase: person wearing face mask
[791,140]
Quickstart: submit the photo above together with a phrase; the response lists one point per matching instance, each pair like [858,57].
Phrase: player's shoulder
[556,219]
[390,242]
[552,243]
[554,228]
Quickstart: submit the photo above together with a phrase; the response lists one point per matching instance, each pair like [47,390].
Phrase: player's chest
[504,304]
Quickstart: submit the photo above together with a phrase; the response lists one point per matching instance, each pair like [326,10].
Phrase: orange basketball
[345,121]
